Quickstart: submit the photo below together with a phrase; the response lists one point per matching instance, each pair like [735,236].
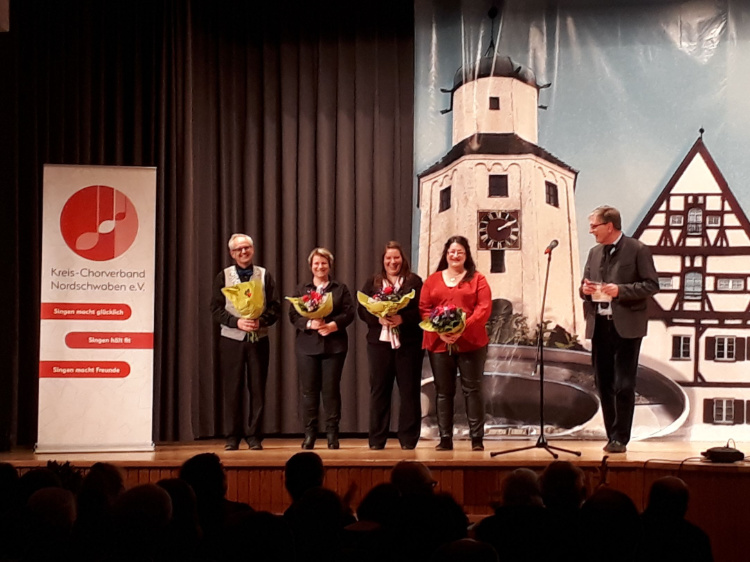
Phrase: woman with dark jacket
[321,347]
[394,355]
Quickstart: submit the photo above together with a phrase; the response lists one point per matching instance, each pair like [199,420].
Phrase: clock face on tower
[499,230]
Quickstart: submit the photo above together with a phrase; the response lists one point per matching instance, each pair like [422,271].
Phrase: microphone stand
[541,443]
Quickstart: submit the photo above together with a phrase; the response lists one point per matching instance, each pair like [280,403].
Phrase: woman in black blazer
[321,347]
[396,358]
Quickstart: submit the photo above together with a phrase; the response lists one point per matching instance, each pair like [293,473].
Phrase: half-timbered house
[700,320]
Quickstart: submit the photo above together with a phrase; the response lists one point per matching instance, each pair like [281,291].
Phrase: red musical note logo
[99,223]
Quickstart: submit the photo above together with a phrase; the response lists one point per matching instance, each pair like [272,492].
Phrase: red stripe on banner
[84,311]
[110,340]
[84,369]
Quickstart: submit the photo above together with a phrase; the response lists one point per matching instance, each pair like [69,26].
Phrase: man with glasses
[243,360]
[618,279]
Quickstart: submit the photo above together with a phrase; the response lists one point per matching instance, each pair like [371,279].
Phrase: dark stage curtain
[288,120]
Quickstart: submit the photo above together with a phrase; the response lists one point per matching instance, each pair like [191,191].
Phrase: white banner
[97,309]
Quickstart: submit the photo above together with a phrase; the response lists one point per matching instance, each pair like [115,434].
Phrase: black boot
[333,439]
[309,441]
[446,444]
[476,444]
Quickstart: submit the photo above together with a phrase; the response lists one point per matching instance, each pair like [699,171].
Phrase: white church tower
[508,196]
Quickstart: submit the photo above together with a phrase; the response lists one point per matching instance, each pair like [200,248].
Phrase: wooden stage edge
[472,477]
[718,492]
[355,453]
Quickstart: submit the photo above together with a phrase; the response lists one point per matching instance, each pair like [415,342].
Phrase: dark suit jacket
[409,331]
[632,268]
[310,342]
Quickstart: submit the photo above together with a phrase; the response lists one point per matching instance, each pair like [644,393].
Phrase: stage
[719,492]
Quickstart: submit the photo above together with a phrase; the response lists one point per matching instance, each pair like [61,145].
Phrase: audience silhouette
[520,520]
[56,513]
[666,533]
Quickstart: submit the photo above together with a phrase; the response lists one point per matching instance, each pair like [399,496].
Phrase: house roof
[698,148]
[495,144]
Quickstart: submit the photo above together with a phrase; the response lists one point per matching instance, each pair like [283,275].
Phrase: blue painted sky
[632,82]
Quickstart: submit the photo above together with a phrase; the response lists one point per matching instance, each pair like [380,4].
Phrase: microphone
[552,246]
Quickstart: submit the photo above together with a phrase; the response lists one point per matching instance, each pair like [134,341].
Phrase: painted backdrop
[641,105]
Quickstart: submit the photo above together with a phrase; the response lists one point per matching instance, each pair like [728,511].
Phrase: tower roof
[494,66]
[494,143]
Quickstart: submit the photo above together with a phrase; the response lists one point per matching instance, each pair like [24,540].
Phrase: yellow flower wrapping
[382,309]
[325,308]
[249,300]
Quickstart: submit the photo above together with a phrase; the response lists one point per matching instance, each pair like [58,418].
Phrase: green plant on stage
[514,330]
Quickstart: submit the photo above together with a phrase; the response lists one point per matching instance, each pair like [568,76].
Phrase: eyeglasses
[597,225]
[456,253]
[242,249]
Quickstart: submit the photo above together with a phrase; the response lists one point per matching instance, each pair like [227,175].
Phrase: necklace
[454,279]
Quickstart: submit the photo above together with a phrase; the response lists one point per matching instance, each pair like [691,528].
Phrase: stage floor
[355,452]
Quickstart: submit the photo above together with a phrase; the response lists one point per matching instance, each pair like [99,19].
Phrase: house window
[665,282]
[713,220]
[498,261]
[725,348]
[445,199]
[695,221]
[494,102]
[693,285]
[680,347]
[551,194]
[723,411]
[498,185]
[730,284]
[676,220]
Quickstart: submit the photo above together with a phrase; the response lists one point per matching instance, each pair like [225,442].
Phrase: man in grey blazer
[618,279]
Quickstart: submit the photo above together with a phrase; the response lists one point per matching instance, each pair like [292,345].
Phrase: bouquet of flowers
[388,294]
[248,300]
[386,302]
[313,304]
[445,319]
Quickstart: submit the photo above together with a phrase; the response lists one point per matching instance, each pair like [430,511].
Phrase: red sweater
[473,297]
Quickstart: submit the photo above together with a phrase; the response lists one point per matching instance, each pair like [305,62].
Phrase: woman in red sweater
[457,282]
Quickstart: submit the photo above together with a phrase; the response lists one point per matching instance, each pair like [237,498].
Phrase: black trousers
[321,374]
[244,364]
[615,362]
[470,366]
[404,366]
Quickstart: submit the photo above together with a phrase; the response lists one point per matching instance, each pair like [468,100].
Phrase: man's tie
[607,253]
[244,272]
[608,249]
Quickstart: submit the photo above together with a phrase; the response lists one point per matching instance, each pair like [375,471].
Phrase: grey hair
[234,237]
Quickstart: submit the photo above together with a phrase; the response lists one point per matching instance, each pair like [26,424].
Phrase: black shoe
[309,442]
[232,444]
[476,444]
[254,443]
[615,447]
[407,447]
[377,447]
[446,444]
[333,440]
